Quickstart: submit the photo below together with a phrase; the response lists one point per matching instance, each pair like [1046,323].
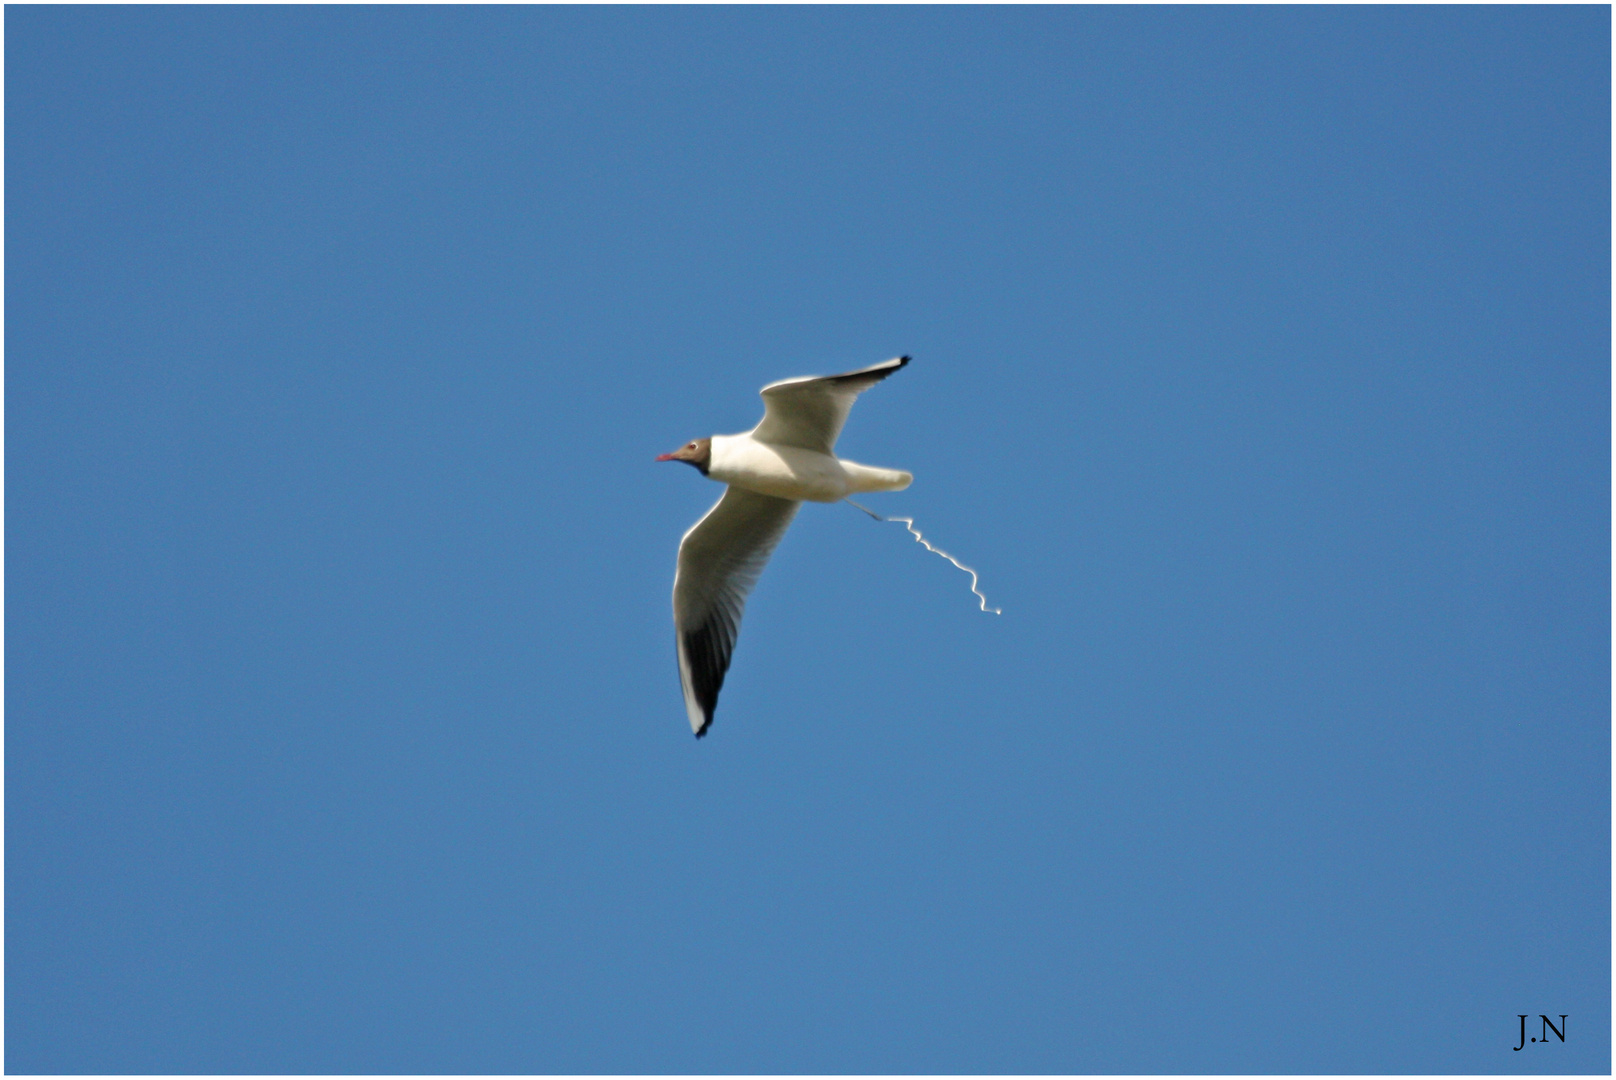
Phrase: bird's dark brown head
[698,453]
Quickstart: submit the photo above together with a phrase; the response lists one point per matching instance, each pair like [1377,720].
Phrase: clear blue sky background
[1261,365]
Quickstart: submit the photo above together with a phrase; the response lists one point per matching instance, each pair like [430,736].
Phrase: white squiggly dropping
[909,523]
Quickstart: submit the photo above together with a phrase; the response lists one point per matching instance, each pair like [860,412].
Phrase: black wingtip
[864,376]
[702,734]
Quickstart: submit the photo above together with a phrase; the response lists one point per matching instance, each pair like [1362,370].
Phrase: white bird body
[788,459]
[791,472]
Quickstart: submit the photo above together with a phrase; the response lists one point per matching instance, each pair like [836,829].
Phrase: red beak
[664,457]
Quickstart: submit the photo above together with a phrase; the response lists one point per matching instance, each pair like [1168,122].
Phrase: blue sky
[1262,367]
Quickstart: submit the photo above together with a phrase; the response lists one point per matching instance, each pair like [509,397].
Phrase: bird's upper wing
[810,412]
[720,559]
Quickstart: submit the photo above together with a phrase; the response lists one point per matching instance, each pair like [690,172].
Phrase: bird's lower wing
[810,412]
[720,560]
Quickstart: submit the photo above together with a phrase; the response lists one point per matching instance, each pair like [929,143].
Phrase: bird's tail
[866,478]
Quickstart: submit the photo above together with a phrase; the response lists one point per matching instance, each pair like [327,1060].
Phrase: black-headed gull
[770,470]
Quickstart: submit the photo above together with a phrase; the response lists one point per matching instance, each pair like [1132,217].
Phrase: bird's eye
[692,446]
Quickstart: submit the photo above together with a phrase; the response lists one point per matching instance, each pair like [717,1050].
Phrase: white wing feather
[720,560]
[809,412]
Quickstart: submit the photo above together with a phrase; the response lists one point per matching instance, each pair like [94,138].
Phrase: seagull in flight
[788,458]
